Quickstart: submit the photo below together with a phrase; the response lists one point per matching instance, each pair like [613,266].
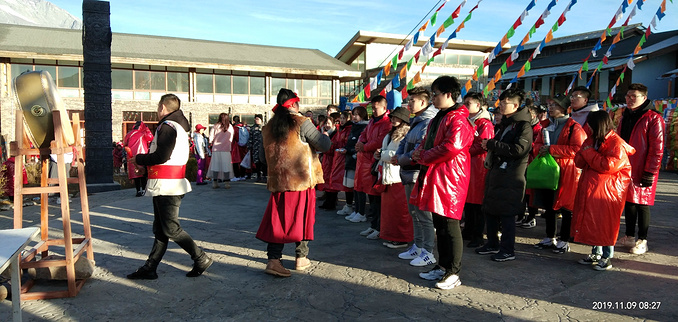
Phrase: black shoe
[502,257]
[200,265]
[201,183]
[475,244]
[139,194]
[328,207]
[487,250]
[143,273]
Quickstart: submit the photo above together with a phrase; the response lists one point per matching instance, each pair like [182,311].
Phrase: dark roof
[181,51]
[622,50]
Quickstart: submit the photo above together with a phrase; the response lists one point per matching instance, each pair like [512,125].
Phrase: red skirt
[289,217]
[396,222]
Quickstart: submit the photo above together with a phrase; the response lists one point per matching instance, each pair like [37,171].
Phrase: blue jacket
[410,170]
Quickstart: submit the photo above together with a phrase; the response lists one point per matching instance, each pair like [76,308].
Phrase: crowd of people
[441,170]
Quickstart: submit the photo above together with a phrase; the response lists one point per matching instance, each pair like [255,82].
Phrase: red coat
[476,190]
[336,178]
[326,162]
[137,141]
[647,138]
[8,175]
[602,190]
[237,152]
[444,187]
[564,150]
[372,138]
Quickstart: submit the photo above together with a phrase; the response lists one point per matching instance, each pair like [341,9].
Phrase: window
[121,79]
[257,86]
[50,69]
[477,61]
[464,60]
[17,69]
[240,85]
[68,77]
[204,83]
[451,59]
[129,118]
[222,84]
[158,81]
[177,82]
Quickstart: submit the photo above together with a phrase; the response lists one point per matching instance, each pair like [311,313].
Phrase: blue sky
[329,24]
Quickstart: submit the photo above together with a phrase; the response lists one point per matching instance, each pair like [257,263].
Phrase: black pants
[551,223]
[349,197]
[634,212]
[450,243]
[274,250]
[508,232]
[140,183]
[474,222]
[360,202]
[260,169]
[166,226]
[375,210]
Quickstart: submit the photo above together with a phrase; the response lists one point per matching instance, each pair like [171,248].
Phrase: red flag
[561,19]
[400,54]
[416,56]
[509,62]
[539,22]
[438,52]
[517,23]
[648,32]
[455,14]
[404,92]
[367,91]
[383,92]
[605,60]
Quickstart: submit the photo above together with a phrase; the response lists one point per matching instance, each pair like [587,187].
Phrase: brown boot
[302,263]
[276,268]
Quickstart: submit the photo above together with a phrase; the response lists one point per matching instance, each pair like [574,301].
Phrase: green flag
[642,41]
[448,22]
[433,19]
[410,85]
[409,63]
[600,65]
[609,32]
[528,66]
[608,102]
[468,17]
[430,61]
[585,66]
[361,96]
[510,32]
[621,77]
[503,68]
[479,71]
[532,31]
[394,62]
[555,27]
[621,32]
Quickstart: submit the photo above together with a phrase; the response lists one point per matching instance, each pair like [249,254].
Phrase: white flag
[630,63]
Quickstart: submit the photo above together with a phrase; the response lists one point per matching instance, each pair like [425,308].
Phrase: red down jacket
[372,138]
[564,150]
[444,187]
[335,179]
[484,130]
[602,190]
[647,138]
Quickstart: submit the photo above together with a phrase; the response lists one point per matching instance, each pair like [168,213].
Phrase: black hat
[402,113]
[562,100]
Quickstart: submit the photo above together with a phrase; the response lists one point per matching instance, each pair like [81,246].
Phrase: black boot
[146,272]
[200,265]
[330,202]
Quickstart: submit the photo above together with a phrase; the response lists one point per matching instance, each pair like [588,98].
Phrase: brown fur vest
[292,164]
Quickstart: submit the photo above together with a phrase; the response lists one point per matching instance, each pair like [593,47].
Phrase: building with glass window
[370,51]
[209,77]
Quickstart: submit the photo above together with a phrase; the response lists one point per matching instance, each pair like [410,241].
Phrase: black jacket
[356,130]
[507,163]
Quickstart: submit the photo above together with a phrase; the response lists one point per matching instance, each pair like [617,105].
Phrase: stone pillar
[96,49]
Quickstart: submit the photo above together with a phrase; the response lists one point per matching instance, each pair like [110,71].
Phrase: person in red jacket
[601,193]
[474,222]
[329,128]
[642,128]
[566,137]
[442,185]
[370,140]
[530,221]
[336,181]
[136,142]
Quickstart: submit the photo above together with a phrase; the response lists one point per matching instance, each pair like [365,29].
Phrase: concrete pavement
[351,278]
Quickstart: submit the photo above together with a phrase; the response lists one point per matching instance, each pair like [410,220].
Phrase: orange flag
[549,36]
[403,72]
[497,75]
[440,30]
[490,85]
[387,69]
[521,73]
[423,28]
[416,79]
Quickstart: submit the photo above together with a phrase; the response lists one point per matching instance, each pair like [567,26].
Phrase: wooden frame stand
[73,247]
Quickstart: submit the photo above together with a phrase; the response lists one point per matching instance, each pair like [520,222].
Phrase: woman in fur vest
[290,144]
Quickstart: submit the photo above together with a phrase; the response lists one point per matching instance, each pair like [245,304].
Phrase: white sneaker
[347,210]
[448,282]
[358,218]
[366,232]
[640,247]
[434,274]
[349,217]
[412,253]
[627,241]
[425,258]
[373,235]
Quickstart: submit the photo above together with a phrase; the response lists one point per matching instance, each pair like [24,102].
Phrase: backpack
[243,136]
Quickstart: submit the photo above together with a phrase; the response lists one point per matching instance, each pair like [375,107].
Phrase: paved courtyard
[351,278]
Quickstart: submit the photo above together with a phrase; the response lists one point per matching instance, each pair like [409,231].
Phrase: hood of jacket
[482,114]
[580,115]
[428,114]
[521,115]
[177,116]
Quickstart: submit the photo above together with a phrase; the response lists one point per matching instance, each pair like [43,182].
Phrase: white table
[12,242]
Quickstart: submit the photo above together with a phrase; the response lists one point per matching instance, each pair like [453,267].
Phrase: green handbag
[543,173]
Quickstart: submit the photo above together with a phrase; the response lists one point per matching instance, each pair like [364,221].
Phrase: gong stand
[73,247]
